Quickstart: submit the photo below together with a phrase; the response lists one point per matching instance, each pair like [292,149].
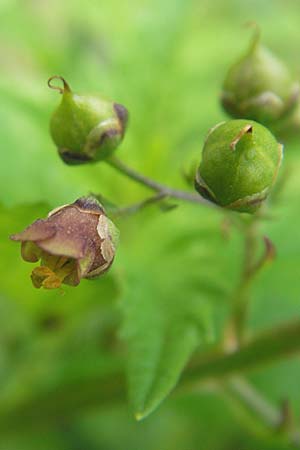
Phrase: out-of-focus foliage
[168,309]
[168,289]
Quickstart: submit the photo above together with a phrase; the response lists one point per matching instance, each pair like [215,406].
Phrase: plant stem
[235,330]
[240,301]
[268,346]
[240,389]
[103,390]
[132,209]
[260,413]
[155,186]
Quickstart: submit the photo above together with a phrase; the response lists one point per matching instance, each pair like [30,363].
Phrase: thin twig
[132,209]
[155,186]
[252,399]
[272,418]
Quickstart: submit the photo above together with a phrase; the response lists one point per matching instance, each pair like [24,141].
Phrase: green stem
[266,347]
[241,390]
[100,390]
[234,333]
[263,416]
[155,186]
[132,209]
[240,300]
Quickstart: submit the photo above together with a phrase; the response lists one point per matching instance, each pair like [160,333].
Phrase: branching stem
[240,389]
[155,186]
[261,414]
[225,367]
[100,389]
[132,209]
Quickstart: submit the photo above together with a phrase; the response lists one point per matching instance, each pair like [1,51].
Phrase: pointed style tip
[66,87]
[256,34]
[246,129]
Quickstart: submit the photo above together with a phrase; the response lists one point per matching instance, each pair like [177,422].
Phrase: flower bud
[240,161]
[86,128]
[75,241]
[259,87]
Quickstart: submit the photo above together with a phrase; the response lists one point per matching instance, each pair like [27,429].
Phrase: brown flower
[75,241]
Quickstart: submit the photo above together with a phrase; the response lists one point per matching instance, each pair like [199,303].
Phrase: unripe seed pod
[86,128]
[259,87]
[240,161]
[289,127]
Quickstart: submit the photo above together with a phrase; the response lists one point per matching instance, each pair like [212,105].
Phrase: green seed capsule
[86,128]
[240,161]
[259,87]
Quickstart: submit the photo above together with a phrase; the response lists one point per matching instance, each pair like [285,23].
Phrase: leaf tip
[139,416]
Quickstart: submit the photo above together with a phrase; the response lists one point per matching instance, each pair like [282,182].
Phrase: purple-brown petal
[74,229]
[61,246]
[69,244]
[37,231]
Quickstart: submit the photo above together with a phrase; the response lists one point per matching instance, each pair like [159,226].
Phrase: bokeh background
[60,351]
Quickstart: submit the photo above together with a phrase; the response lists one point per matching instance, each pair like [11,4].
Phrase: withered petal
[99,270]
[58,245]
[74,229]
[107,250]
[37,231]
[56,210]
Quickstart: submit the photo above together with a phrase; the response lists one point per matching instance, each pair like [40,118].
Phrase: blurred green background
[167,293]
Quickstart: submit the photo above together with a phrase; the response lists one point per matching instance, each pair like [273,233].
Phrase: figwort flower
[75,241]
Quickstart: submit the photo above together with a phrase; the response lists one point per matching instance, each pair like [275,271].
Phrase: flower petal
[96,272]
[37,231]
[107,250]
[73,228]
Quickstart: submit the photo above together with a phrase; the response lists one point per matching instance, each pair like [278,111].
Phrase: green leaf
[174,281]
[276,292]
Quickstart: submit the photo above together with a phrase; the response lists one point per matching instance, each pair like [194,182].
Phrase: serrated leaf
[168,303]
